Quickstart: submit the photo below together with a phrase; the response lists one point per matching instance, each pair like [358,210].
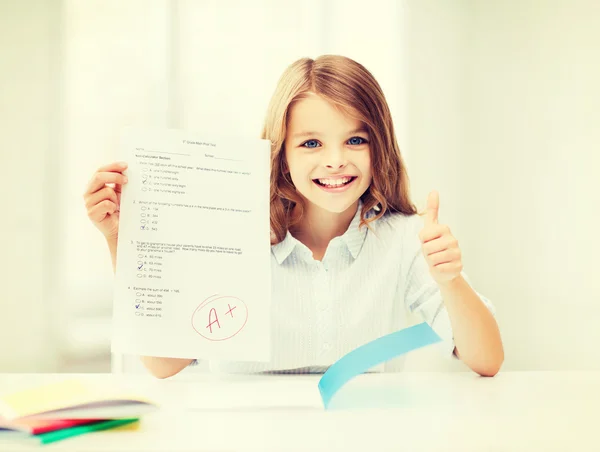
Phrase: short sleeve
[423,297]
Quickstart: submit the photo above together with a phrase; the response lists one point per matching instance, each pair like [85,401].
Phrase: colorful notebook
[39,426]
[58,435]
[73,399]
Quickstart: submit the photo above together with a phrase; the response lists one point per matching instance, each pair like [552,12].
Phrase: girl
[350,255]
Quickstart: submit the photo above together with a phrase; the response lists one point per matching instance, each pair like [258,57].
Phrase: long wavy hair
[350,87]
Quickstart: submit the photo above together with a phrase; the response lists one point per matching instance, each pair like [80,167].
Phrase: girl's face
[327,154]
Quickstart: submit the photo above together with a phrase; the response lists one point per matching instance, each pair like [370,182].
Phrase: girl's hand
[439,245]
[103,198]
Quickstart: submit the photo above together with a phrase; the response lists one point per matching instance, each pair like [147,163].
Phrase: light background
[496,106]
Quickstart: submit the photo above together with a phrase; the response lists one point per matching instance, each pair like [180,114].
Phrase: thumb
[433,206]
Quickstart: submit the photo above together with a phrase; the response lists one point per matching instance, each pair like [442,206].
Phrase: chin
[332,209]
[333,206]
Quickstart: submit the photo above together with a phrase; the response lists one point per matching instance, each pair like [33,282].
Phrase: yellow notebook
[74,399]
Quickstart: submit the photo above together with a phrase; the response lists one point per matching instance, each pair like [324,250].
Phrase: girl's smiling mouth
[335,184]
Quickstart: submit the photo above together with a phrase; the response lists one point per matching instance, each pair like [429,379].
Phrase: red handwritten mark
[230,310]
[213,310]
[230,328]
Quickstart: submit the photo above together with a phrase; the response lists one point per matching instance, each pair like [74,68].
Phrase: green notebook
[58,435]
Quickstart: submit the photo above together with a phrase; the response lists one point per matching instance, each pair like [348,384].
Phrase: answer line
[164,152]
[224,158]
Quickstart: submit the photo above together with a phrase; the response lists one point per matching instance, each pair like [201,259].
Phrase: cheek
[364,166]
[289,164]
[300,165]
[298,170]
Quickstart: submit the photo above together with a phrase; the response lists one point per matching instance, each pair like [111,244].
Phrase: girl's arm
[462,318]
[159,367]
[476,333]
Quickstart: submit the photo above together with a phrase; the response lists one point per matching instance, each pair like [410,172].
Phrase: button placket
[323,313]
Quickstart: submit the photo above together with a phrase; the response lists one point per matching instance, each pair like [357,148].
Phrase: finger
[451,267]
[101,195]
[443,257]
[433,205]
[99,180]
[99,212]
[113,167]
[440,244]
[433,232]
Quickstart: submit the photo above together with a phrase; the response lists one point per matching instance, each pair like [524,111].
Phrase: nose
[335,158]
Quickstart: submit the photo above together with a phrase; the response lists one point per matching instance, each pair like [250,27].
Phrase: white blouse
[362,289]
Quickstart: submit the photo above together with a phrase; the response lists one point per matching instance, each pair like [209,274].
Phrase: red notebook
[38,426]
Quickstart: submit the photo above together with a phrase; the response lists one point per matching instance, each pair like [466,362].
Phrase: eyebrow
[306,134]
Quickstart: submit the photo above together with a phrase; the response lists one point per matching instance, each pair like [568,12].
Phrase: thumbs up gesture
[439,245]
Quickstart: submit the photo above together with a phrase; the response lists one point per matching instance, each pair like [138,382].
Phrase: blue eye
[357,141]
[310,144]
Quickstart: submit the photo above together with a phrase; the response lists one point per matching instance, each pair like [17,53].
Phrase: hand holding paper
[103,196]
[193,259]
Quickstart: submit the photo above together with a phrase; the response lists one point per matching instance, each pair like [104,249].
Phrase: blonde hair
[350,87]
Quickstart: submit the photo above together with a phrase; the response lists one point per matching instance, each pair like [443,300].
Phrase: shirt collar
[353,238]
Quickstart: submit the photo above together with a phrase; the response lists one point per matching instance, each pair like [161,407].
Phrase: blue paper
[373,353]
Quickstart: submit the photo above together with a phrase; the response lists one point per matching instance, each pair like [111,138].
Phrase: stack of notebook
[68,408]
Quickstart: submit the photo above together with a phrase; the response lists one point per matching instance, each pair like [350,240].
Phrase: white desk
[514,411]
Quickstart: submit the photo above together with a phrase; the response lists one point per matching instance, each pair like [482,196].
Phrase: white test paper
[193,277]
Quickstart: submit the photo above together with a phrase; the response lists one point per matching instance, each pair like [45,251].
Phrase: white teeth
[335,182]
